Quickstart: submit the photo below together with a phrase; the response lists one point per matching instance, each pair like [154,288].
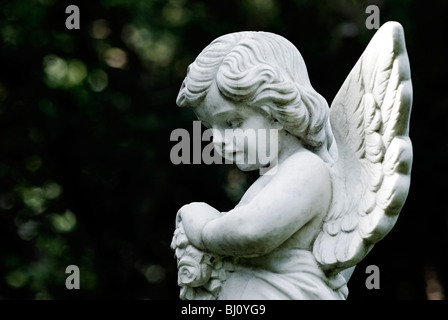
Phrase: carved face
[241,134]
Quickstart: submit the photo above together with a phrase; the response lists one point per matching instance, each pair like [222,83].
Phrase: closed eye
[234,123]
[206,124]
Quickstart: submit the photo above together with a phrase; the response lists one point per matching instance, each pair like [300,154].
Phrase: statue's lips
[232,155]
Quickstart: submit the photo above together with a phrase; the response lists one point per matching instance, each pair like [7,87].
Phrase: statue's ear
[277,124]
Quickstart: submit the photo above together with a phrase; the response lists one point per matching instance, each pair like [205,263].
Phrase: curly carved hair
[257,68]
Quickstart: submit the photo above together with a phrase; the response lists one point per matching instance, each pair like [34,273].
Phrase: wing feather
[370,120]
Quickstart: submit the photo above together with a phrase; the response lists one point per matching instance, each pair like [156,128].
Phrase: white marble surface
[336,181]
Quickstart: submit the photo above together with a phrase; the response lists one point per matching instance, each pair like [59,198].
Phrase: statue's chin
[249,167]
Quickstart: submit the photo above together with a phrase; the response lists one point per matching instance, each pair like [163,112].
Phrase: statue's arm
[296,194]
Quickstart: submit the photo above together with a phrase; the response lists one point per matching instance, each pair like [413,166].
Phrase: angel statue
[342,173]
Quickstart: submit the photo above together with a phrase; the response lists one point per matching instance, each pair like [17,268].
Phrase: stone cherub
[342,173]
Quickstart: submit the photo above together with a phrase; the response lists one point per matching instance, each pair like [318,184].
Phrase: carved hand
[194,217]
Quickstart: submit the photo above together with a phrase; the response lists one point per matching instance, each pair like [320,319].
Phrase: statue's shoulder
[304,160]
[304,169]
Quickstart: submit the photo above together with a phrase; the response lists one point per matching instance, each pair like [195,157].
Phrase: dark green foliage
[85,123]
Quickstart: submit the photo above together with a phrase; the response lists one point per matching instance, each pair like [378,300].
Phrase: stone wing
[369,117]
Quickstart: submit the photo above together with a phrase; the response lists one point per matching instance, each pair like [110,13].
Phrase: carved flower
[192,272]
[213,286]
[180,239]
